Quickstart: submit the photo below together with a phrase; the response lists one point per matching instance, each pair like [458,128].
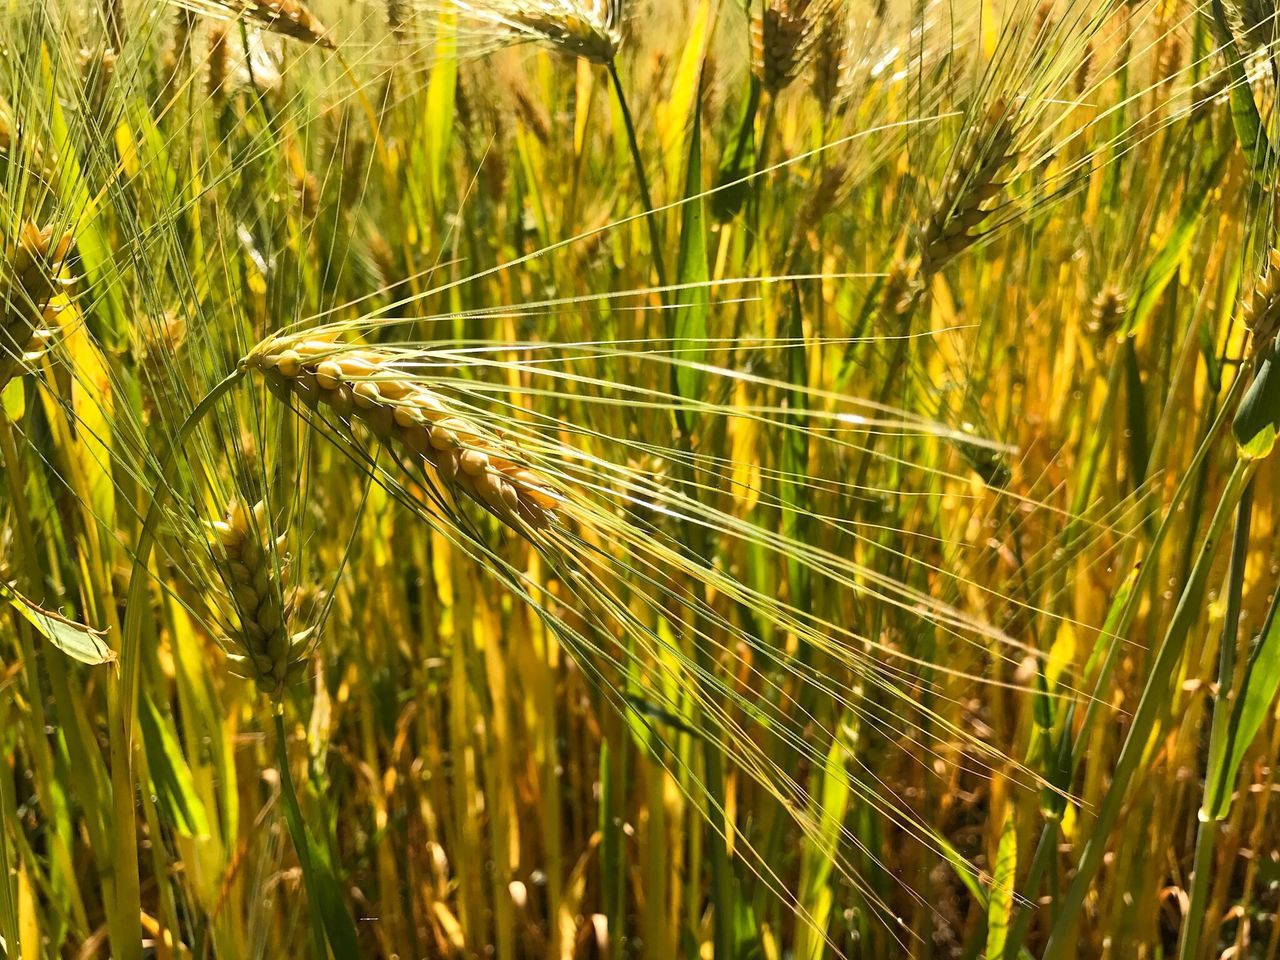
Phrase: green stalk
[10,859]
[1119,618]
[122,698]
[721,873]
[298,834]
[1153,701]
[1207,831]
[642,181]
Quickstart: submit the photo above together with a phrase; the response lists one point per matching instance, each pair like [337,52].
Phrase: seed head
[970,186]
[1262,310]
[255,570]
[365,385]
[782,39]
[829,49]
[1107,312]
[288,18]
[31,277]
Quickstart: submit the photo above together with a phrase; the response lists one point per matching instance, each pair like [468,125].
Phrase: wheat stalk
[366,385]
[31,277]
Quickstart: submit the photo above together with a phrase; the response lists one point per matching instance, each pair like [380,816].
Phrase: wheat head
[255,570]
[782,39]
[288,18]
[1262,310]
[31,277]
[971,184]
[364,384]
[590,29]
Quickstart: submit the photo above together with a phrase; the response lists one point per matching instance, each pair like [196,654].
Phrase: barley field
[670,479]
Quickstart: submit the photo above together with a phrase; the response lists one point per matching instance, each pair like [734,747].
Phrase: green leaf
[1256,699]
[1244,111]
[13,400]
[74,639]
[170,776]
[1258,418]
[1000,905]
[1165,265]
[690,326]
[737,162]
[442,84]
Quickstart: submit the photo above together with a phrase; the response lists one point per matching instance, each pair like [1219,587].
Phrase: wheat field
[753,479]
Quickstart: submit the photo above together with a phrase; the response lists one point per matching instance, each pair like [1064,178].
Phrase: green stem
[1155,696]
[1130,603]
[298,833]
[1207,831]
[642,181]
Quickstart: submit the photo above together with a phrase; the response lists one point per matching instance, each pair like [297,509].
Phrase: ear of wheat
[829,49]
[255,570]
[289,18]
[971,185]
[782,39]
[32,278]
[590,29]
[366,385]
[1262,310]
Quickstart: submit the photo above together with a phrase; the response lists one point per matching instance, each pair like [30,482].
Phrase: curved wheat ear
[365,384]
[31,276]
[590,29]
[1261,313]
[971,184]
[289,18]
[255,570]
[782,38]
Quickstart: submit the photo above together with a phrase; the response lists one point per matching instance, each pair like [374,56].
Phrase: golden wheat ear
[31,278]
[783,33]
[366,385]
[1262,310]
[972,184]
[288,18]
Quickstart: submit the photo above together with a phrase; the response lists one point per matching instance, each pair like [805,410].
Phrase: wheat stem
[642,181]
[1207,829]
[1154,697]
[136,595]
[298,833]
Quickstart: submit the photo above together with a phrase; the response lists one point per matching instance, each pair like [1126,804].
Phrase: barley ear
[365,385]
[254,570]
[970,187]
[32,276]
